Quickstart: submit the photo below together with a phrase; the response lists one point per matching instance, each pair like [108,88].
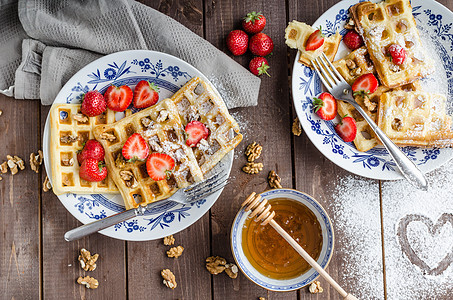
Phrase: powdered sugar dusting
[430,239]
[436,82]
[356,214]
[418,236]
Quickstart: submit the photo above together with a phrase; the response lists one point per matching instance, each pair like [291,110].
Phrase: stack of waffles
[162,126]
[69,130]
[399,107]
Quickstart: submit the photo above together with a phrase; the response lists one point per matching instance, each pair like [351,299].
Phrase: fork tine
[317,69]
[333,68]
[206,189]
[201,184]
[327,67]
[207,193]
[205,185]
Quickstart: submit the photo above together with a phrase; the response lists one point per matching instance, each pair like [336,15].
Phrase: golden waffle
[355,64]
[196,100]
[64,128]
[366,138]
[391,22]
[415,119]
[296,36]
[161,126]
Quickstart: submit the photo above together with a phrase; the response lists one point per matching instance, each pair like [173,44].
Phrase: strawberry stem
[263,69]
[317,104]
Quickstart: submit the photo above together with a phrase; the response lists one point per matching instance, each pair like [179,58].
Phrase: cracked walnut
[169,278]
[252,168]
[175,251]
[89,282]
[169,240]
[274,180]
[253,151]
[87,261]
[215,264]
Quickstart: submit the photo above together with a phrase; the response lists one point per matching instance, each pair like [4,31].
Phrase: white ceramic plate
[305,278]
[128,68]
[434,22]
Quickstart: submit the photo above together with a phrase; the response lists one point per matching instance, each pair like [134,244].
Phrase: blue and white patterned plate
[434,22]
[128,68]
[303,279]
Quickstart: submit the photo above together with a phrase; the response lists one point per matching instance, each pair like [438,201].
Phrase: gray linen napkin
[61,29]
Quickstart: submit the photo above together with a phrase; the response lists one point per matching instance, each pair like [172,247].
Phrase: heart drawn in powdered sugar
[434,230]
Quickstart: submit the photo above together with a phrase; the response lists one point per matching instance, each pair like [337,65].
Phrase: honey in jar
[269,253]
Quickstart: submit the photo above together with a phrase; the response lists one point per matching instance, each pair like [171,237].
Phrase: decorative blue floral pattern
[157,69]
[169,216]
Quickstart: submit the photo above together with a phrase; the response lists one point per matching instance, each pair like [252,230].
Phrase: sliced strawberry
[325,106]
[93,104]
[195,132]
[347,129]
[315,40]
[365,84]
[118,98]
[91,149]
[145,94]
[135,148]
[159,166]
[93,170]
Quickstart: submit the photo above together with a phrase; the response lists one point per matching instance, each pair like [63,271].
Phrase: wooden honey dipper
[261,210]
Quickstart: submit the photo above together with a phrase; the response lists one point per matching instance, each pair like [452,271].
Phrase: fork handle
[87,229]
[407,167]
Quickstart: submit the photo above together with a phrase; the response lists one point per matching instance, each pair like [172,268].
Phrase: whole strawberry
[92,170]
[237,42]
[398,54]
[259,66]
[93,104]
[92,149]
[353,40]
[261,44]
[254,22]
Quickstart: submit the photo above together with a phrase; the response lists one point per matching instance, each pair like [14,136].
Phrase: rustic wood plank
[60,267]
[319,177]
[20,202]
[147,259]
[267,124]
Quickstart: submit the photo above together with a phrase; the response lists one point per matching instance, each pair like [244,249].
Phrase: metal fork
[186,195]
[341,90]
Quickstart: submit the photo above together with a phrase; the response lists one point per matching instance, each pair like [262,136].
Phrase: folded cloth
[69,34]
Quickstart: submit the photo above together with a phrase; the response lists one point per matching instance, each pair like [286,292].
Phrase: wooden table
[36,262]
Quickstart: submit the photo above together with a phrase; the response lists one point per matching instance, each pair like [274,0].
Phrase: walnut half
[297,129]
[169,240]
[87,261]
[315,287]
[231,270]
[89,282]
[253,151]
[169,278]
[252,168]
[215,264]
[175,251]
[274,180]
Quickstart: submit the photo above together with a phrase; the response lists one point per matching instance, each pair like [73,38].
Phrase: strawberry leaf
[317,104]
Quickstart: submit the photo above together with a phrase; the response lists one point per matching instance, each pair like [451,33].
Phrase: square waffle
[196,100]
[296,36]
[354,65]
[161,126]
[386,23]
[415,119]
[67,137]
